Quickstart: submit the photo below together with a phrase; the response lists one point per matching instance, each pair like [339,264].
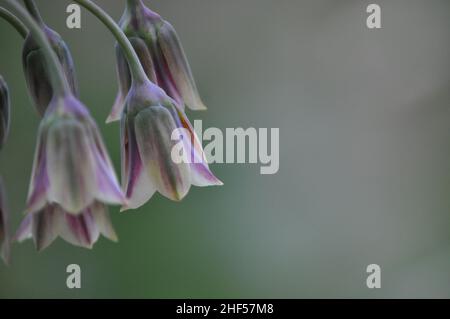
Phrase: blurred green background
[364,118]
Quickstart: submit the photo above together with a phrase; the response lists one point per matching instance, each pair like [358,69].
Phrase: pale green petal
[154,127]
[45,227]
[178,65]
[103,221]
[70,166]
[136,183]
[80,230]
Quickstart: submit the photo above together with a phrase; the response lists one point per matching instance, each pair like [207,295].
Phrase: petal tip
[111,119]
[178,196]
[127,208]
[114,238]
[198,107]
[219,183]
[5,254]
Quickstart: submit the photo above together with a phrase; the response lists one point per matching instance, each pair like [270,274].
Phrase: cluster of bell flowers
[73,179]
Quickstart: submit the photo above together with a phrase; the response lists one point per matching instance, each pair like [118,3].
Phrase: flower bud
[162,56]
[36,71]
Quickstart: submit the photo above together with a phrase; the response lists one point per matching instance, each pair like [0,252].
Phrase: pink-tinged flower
[71,166]
[4,111]
[35,67]
[161,54]
[4,226]
[148,122]
[81,230]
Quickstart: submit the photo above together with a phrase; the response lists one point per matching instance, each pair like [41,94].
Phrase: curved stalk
[58,80]
[136,69]
[14,21]
[134,3]
[34,11]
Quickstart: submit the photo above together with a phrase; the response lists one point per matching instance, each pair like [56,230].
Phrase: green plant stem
[136,69]
[34,11]
[58,80]
[14,21]
[134,2]
[136,8]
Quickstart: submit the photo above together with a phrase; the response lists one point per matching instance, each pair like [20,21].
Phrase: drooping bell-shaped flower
[4,111]
[36,71]
[81,230]
[148,124]
[4,226]
[71,165]
[161,54]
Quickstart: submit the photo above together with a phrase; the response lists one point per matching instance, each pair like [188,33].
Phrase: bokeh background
[364,118]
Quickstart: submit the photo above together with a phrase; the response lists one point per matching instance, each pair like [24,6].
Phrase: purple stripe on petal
[165,79]
[24,231]
[108,189]
[45,226]
[154,126]
[201,175]
[39,182]
[177,65]
[80,230]
[138,187]
[132,158]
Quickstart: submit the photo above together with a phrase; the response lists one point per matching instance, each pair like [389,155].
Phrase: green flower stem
[136,69]
[134,2]
[34,11]
[58,80]
[134,6]
[14,21]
